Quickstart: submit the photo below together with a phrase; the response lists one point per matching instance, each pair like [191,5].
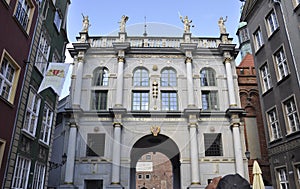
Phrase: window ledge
[267,91]
[283,79]
[292,134]
[275,140]
[28,135]
[259,49]
[273,33]
[43,143]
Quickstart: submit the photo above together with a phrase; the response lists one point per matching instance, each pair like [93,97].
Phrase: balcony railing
[21,15]
[152,42]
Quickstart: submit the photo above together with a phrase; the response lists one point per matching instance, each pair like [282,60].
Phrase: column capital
[121,59]
[188,60]
[73,125]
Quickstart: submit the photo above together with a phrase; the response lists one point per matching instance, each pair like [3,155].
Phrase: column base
[67,186]
[115,186]
[195,186]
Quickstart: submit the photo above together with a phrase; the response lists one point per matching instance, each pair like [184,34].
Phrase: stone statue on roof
[187,24]
[221,24]
[123,23]
[85,23]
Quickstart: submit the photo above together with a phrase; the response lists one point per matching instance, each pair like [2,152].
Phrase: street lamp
[54,165]
[247,154]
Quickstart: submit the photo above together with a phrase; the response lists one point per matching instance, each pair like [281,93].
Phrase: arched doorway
[162,144]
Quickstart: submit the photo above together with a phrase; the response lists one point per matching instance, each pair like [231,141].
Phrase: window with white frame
[42,56]
[46,125]
[9,77]
[141,77]
[7,74]
[282,178]
[23,12]
[169,100]
[281,64]
[258,39]
[32,112]
[243,35]
[208,77]
[275,132]
[265,78]
[168,77]
[99,100]
[297,167]
[57,20]
[291,115]
[140,100]
[2,148]
[21,173]
[209,100]
[100,76]
[272,23]
[39,176]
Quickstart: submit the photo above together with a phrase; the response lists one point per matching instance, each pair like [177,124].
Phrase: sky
[105,15]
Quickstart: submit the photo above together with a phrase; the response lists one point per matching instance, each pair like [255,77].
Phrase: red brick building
[254,128]
[154,171]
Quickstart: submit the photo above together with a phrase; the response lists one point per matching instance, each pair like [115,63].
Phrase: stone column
[239,167]
[116,156]
[120,80]
[230,83]
[78,82]
[70,163]
[190,83]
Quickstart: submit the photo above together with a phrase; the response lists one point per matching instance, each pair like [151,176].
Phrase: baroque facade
[273,28]
[133,95]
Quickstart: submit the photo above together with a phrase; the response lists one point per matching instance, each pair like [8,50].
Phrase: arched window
[208,77]
[168,77]
[100,76]
[141,77]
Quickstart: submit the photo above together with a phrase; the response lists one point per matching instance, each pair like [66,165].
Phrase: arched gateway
[159,143]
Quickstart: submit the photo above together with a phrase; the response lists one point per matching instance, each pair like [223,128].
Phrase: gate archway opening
[153,144]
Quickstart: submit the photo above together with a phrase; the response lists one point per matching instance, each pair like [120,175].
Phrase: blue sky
[105,15]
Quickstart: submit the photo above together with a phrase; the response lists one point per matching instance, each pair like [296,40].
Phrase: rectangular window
[297,167]
[2,148]
[140,101]
[209,100]
[39,174]
[7,74]
[265,78]
[169,101]
[272,23]
[42,54]
[57,20]
[46,125]
[258,40]
[213,144]
[22,13]
[95,144]
[21,173]
[291,115]
[32,112]
[282,178]
[93,184]
[281,62]
[99,100]
[274,129]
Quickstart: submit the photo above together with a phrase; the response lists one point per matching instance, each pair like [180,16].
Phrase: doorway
[159,146]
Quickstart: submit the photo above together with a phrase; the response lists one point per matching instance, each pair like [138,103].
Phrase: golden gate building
[133,95]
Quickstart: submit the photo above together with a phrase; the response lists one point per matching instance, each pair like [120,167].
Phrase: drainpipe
[289,40]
